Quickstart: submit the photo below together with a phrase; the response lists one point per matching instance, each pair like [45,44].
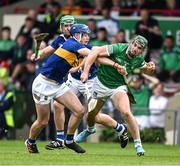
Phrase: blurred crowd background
[104,19]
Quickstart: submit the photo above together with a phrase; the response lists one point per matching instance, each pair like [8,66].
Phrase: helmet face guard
[67,19]
[139,40]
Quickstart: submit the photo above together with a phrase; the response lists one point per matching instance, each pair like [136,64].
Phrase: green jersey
[108,75]
[170,60]
[142,97]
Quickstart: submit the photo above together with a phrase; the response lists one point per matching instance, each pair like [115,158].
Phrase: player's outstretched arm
[109,62]
[43,53]
[91,58]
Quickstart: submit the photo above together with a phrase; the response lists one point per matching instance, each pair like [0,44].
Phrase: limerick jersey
[108,75]
[59,63]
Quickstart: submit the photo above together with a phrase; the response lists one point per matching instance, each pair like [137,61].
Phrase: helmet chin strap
[79,40]
[80,37]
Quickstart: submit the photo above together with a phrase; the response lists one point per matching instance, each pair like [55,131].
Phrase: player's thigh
[71,101]
[73,84]
[44,91]
[121,102]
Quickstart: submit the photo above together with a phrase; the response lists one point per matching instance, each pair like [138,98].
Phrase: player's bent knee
[80,112]
[43,123]
[126,114]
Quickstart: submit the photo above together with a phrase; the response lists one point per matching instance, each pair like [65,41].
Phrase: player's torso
[109,76]
[59,63]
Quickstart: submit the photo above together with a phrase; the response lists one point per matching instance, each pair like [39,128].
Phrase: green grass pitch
[14,153]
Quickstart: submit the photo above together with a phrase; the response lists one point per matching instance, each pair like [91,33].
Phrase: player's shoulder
[61,37]
[89,46]
[119,47]
[72,45]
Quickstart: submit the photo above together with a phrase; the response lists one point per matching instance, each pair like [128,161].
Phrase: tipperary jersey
[55,44]
[59,63]
[58,42]
[92,72]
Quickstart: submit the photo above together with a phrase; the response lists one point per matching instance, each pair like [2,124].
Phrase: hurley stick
[38,39]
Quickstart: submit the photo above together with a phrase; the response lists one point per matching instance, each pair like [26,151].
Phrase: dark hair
[102,29]
[121,30]
[29,19]
[6,28]
[169,37]
[22,35]
[92,19]
[56,4]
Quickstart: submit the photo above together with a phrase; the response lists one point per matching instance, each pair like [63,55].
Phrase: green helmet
[67,19]
[141,40]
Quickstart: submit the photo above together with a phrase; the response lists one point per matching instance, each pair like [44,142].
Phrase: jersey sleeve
[78,46]
[57,42]
[115,48]
[89,46]
[140,62]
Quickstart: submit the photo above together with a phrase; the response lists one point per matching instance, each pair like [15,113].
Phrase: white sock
[91,129]
[137,142]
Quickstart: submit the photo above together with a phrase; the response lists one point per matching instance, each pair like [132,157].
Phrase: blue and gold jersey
[59,63]
[58,42]
[92,72]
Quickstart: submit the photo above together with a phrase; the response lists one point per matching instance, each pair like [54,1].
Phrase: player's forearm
[90,59]
[105,61]
[46,51]
[152,79]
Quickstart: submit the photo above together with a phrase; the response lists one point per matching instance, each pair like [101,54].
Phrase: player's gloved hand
[150,66]
[120,69]
[84,77]
[74,69]
[34,58]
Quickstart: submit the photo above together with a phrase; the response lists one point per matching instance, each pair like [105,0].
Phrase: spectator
[27,27]
[101,38]
[115,9]
[91,23]
[20,49]
[6,47]
[24,73]
[152,4]
[149,28]
[128,4]
[84,5]
[46,6]
[7,100]
[71,8]
[157,106]
[111,25]
[52,20]
[37,24]
[113,40]
[121,36]
[142,92]
[98,7]
[169,64]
